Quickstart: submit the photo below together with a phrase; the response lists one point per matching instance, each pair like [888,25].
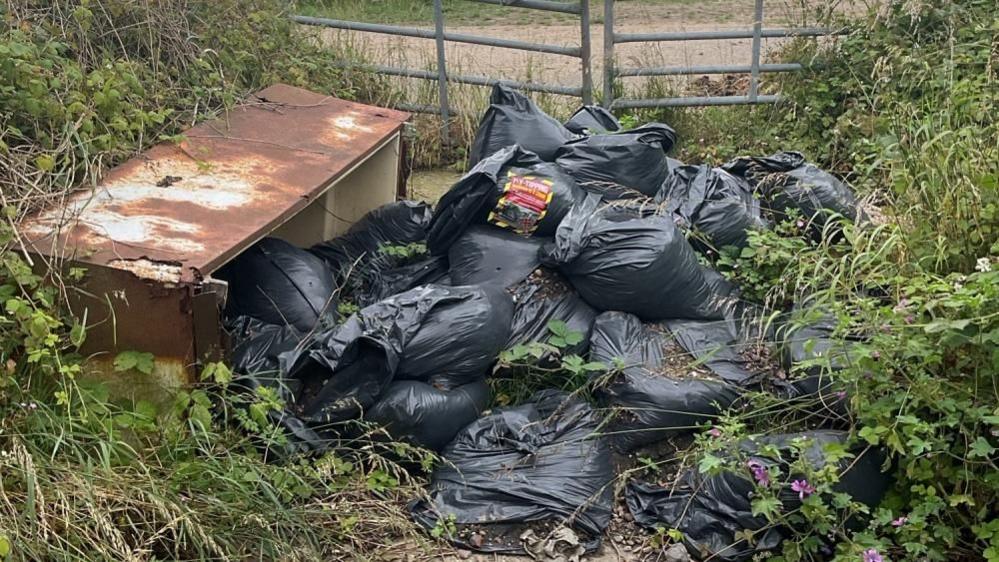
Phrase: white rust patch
[149,269]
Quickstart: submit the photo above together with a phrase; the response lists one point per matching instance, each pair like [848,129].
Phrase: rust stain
[196,204]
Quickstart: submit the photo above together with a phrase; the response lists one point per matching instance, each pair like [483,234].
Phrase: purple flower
[800,223]
[900,521]
[803,488]
[760,473]
[714,432]
[902,305]
[871,555]
[909,319]
[840,395]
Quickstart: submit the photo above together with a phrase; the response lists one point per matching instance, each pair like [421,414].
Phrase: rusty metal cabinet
[287,162]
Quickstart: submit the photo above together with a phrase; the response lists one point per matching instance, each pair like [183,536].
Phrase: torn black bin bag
[417,412]
[487,255]
[714,511]
[592,120]
[383,284]
[512,189]
[278,283]
[723,346]
[812,353]
[653,395]
[545,297]
[393,224]
[786,181]
[512,118]
[535,462]
[620,260]
[635,159]
[256,345]
[446,336]
[718,206]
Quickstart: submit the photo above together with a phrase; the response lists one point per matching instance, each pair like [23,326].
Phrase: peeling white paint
[148,269]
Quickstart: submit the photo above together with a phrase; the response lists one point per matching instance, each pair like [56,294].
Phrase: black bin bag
[592,120]
[425,415]
[277,283]
[486,255]
[714,511]
[382,284]
[635,159]
[512,118]
[542,299]
[787,181]
[359,253]
[446,336]
[812,354]
[656,392]
[720,208]
[539,461]
[620,260]
[256,346]
[511,189]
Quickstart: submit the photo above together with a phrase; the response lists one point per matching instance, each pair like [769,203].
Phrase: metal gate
[755,68]
[582,52]
[584,90]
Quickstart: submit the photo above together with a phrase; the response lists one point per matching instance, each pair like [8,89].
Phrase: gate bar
[466,79]
[693,101]
[427,34]
[546,5]
[707,69]
[726,34]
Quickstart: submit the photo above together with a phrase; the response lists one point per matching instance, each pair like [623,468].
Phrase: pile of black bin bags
[398,323]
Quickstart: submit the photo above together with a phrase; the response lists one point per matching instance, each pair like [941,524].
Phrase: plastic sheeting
[417,412]
[787,181]
[486,255]
[278,283]
[545,297]
[512,189]
[713,511]
[634,159]
[398,224]
[512,118]
[720,207]
[592,120]
[620,260]
[446,336]
[649,404]
[534,462]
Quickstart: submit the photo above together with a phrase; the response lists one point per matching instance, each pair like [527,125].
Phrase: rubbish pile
[399,323]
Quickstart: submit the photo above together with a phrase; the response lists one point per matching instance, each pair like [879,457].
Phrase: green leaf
[4,546]
[77,334]
[558,327]
[45,163]
[139,360]
[941,325]
[709,463]
[981,448]
[768,507]
[872,434]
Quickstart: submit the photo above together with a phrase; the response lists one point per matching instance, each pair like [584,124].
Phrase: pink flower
[902,305]
[714,432]
[840,394]
[871,555]
[760,473]
[900,521]
[803,488]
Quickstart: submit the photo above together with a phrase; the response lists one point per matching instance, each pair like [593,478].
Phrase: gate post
[608,53]
[585,51]
[442,72]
